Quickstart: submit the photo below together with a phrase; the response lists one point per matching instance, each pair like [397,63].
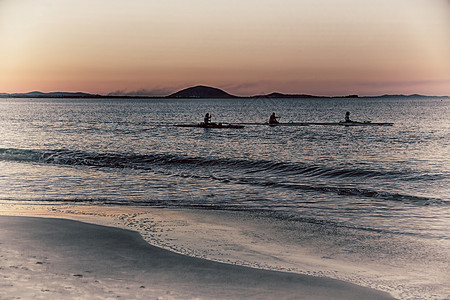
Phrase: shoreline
[69,259]
[373,260]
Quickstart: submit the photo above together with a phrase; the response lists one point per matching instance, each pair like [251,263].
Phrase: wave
[225,170]
[147,161]
[353,191]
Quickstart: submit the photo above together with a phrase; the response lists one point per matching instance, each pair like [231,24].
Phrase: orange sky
[321,47]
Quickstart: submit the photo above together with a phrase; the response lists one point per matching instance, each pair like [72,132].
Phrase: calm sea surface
[386,179]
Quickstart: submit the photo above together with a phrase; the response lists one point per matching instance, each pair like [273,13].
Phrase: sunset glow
[323,47]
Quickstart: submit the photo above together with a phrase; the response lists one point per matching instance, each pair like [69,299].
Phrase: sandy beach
[48,258]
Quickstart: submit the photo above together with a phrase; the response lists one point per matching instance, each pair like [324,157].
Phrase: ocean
[370,195]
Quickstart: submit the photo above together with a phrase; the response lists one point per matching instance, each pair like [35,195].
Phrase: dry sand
[47,258]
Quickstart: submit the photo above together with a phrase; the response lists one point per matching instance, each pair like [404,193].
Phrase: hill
[37,94]
[201,91]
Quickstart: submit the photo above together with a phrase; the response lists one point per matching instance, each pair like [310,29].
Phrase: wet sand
[65,259]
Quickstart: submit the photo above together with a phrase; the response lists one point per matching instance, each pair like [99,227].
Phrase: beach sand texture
[44,258]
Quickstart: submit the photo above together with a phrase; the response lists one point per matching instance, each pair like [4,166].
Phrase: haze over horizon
[250,47]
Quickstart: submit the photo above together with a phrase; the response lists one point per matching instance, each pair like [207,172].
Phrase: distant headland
[195,92]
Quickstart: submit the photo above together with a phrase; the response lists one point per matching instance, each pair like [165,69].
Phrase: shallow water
[393,181]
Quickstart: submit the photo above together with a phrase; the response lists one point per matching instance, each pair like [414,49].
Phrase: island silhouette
[201,91]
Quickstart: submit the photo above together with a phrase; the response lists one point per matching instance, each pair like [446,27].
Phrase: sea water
[372,193]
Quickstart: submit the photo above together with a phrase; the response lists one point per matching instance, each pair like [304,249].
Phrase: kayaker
[273,119]
[207,119]
[347,117]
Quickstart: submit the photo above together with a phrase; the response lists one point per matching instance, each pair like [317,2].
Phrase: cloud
[143,92]
[405,83]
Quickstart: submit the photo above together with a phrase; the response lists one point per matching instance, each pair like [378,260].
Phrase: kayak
[287,124]
[278,124]
[352,124]
[211,125]
[368,123]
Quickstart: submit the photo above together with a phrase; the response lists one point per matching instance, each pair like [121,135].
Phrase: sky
[245,47]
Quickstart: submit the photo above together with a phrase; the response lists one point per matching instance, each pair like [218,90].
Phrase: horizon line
[136,95]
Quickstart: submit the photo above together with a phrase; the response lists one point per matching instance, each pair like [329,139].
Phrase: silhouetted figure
[273,119]
[207,119]
[347,117]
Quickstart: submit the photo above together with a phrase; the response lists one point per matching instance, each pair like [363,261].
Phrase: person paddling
[347,117]
[207,119]
[273,119]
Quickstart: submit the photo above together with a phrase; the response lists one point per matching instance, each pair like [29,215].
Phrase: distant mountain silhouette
[404,96]
[280,95]
[36,94]
[201,91]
